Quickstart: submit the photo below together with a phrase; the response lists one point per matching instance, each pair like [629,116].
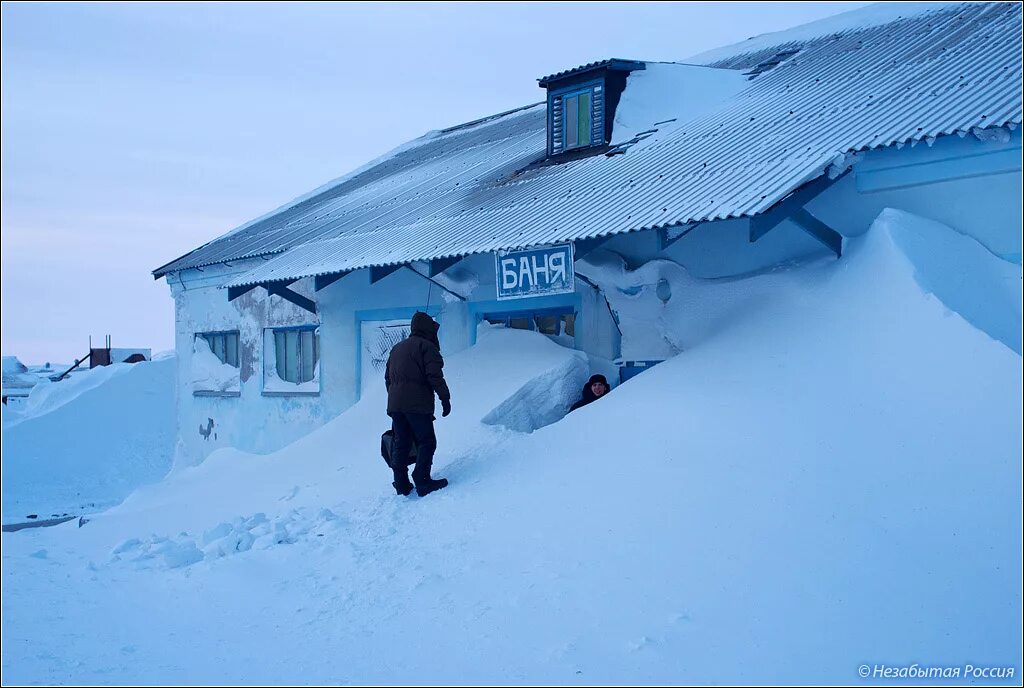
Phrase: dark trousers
[406,427]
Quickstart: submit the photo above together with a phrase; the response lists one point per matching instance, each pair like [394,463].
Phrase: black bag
[387,443]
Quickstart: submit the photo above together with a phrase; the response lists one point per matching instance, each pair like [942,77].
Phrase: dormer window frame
[558,126]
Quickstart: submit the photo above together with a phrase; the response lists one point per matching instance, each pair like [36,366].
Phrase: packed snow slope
[828,477]
[86,442]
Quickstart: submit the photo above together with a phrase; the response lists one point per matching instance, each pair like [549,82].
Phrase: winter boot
[404,490]
[430,485]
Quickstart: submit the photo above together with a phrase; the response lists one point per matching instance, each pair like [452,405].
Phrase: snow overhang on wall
[667,94]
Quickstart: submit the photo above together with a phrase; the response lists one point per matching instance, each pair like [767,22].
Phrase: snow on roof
[613,64]
[16,375]
[474,190]
[664,94]
[845,22]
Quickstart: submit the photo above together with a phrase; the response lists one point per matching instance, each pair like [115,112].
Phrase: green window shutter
[585,113]
[572,121]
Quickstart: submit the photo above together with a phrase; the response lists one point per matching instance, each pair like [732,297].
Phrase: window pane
[585,115]
[547,324]
[570,324]
[280,354]
[307,356]
[291,363]
[231,349]
[571,118]
[218,347]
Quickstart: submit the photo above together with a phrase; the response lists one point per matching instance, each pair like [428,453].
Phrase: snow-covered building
[17,380]
[739,160]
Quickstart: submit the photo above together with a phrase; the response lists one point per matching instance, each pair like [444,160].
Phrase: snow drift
[964,275]
[86,442]
[827,477]
[209,373]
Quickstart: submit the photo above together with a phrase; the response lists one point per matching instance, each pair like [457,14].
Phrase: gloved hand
[446,407]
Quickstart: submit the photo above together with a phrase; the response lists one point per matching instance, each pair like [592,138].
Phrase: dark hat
[598,378]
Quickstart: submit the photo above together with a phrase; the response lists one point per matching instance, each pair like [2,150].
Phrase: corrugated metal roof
[613,64]
[456,194]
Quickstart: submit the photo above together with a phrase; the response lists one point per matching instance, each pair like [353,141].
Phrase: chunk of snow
[543,400]
[209,373]
[177,555]
[992,134]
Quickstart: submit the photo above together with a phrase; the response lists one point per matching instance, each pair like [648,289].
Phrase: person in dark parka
[413,376]
[596,387]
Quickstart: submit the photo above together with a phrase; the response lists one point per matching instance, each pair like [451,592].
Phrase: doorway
[376,339]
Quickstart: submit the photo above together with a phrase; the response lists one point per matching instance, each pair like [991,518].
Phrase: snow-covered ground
[84,443]
[828,475]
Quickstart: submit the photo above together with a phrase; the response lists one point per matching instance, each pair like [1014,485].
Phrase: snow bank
[965,276]
[47,396]
[86,442]
[827,477]
[209,373]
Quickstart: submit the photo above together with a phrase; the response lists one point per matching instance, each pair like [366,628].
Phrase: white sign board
[535,272]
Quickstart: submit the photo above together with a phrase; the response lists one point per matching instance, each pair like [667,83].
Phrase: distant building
[771,150]
[17,380]
[106,356]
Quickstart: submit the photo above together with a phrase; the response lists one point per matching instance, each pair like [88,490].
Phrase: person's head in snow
[596,387]
[413,376]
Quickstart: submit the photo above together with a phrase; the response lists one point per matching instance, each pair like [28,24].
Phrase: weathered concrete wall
[249,421]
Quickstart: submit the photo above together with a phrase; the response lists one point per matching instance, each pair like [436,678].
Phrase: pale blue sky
[134,133]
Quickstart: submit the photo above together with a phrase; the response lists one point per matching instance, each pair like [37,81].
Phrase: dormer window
[578,117]
[581,106]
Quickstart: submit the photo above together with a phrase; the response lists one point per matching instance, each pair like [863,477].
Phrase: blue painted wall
[970,185]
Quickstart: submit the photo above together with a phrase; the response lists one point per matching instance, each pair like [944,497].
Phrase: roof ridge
[488,118]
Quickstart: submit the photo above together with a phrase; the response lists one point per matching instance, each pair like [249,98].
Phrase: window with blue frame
[577,117]
[554,322]
[224,345]
[296,353]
